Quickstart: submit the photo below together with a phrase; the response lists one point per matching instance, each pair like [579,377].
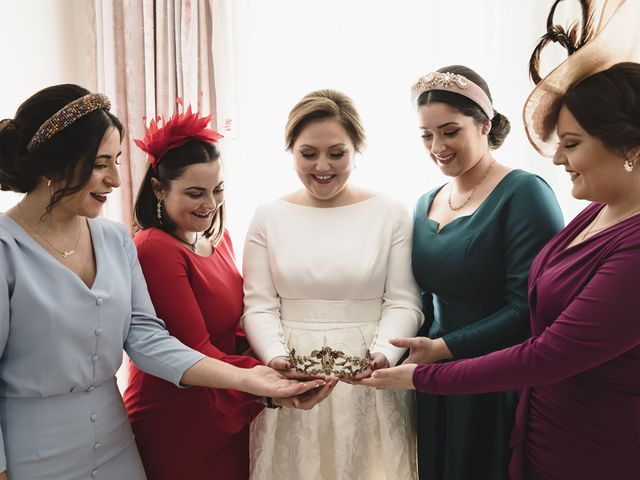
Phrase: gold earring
[629,165]
[159,210]
[49,183]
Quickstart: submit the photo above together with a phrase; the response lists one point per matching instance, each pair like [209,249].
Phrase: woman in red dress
[188,263]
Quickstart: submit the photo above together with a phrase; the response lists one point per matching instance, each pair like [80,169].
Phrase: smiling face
[105,177]
[191,200]
[324,159]
[596,172]
[455,142]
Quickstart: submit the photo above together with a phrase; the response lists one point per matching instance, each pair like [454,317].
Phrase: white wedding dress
[338,277]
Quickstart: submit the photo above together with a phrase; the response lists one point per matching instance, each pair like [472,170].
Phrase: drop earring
[159,210]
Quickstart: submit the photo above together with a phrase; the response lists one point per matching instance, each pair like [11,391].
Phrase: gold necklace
[473,190]
[63,253]
[591,230]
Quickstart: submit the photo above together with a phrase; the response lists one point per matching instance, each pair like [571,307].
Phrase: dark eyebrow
[332,146]
[203,189]
[562,135]
[107,157]
[443,125]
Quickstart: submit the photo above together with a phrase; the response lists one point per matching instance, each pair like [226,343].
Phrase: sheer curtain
[146,53]
[269,54]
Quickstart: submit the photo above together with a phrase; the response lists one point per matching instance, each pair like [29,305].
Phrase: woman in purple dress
[579,410]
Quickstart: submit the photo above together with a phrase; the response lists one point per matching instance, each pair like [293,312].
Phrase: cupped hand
[310,399]
[282,364]
[423,350]
[266,382]
[399,378]
[378,361]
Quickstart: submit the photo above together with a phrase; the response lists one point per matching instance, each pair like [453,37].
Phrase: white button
[96,445]
[94,417]
[97,332]
[95,358]
[91,387]
[94,474]
[99,301]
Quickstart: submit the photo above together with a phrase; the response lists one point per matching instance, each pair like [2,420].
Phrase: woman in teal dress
[474,240]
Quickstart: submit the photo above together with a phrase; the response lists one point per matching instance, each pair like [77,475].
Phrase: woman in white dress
[327,282]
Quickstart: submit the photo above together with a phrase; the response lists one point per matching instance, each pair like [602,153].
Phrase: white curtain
[146,54]
[269,54]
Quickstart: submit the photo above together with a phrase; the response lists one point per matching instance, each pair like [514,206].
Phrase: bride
[327,280]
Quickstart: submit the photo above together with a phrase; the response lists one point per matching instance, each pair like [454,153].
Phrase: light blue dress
[61,343]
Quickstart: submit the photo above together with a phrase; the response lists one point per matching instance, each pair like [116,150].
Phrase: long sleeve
[148,343]
[166,273]
[528,221]
[401,312]
[4,335]
[598,325]
[261,319]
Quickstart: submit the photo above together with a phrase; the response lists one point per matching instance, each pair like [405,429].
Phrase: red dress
[192,433]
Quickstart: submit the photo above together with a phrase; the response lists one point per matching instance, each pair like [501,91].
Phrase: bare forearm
[213,373]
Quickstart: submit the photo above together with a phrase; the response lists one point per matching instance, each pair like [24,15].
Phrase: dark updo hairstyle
[607,106]
[67,157]
[170,167]
[500,125]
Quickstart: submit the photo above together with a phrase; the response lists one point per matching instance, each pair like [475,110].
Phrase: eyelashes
[332,155]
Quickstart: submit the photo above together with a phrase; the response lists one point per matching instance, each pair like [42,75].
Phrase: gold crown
[67,115]
[328,361]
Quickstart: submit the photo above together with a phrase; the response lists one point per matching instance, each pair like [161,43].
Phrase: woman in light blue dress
[72,296]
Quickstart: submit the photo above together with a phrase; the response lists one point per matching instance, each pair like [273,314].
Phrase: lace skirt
[356,433]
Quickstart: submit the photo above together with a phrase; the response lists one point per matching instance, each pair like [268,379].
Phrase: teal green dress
[473,277]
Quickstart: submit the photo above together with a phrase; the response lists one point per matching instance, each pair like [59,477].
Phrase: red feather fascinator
[163,135]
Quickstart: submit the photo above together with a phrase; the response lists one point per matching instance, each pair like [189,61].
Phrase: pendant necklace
[473,190]
[63,253]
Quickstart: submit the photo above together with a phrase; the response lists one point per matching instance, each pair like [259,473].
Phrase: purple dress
[579,411]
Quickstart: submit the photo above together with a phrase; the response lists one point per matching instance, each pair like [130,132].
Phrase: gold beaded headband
[452,82]
[67,115]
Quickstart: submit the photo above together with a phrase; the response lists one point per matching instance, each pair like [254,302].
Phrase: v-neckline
[21,233]
[436,224]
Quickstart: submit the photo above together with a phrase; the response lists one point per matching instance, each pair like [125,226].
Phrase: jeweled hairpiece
[67,115]
[453,82]
[163,135]
[327,361]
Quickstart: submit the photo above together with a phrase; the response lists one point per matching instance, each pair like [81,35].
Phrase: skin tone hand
[3,476]
[399,378]
[310,399]
[307,400]
[259,380]
[379,360]
[423,350]
[283,365]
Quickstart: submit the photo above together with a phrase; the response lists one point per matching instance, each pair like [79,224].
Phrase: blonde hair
[321,105]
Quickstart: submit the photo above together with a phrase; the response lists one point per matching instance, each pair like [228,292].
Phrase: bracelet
[268,402]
